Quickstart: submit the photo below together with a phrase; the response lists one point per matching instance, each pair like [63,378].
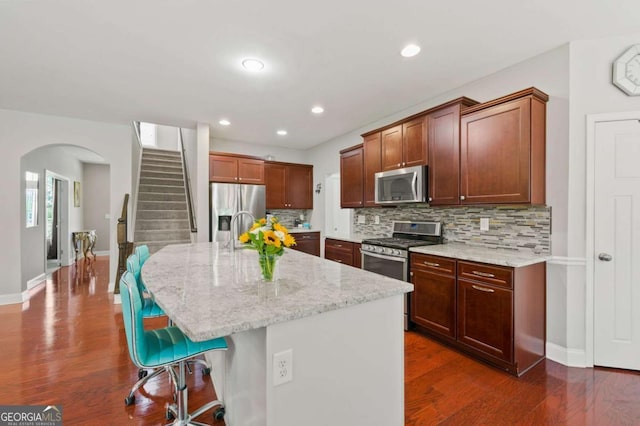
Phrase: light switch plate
[484,223]
[361,218]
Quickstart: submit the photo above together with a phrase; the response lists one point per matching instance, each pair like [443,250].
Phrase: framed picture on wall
[76,194]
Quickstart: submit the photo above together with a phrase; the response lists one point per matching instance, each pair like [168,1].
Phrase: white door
[617,245]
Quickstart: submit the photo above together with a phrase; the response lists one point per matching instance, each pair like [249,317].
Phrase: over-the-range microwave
[406,185]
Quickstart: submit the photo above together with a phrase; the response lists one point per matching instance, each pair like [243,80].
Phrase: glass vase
[267,266]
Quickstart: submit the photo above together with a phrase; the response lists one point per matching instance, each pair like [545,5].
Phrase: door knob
[605,257]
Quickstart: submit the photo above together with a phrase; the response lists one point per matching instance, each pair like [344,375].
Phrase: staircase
[161,216]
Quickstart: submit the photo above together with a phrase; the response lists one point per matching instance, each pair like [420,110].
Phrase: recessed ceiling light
[281,132]
[410,50]
[224,122]
[317,109]
[253,65]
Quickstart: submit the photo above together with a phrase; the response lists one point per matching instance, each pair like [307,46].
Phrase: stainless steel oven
[390,256]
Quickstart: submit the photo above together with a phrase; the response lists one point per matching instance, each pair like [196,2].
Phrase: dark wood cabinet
[494,313]
[433,301]
[288,185]
[344,252]
[371,146]
[414,142]
[502,150]
[351,177]
[235,169]
[307,242]
[444,152]
[391,148]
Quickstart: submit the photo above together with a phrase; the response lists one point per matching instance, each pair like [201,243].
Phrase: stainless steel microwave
[407,185]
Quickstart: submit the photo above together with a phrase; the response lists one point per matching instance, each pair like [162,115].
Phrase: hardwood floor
[66,346]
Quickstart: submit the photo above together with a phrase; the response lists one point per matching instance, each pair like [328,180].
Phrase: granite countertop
[209,291]
[293,230]
[353,238]
[500,257]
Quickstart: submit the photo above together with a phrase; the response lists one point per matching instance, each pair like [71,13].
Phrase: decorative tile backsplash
[525,228]
[288,216]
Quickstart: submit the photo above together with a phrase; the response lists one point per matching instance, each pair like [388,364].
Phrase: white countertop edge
[293,230]
[228,329]
[514,259]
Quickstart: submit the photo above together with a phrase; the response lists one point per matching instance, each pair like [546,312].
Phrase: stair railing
[187,187]
[125,248]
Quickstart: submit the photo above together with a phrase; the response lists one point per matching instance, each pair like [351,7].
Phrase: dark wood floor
[66,346]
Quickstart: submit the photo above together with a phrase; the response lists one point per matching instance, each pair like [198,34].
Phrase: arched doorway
[71,193]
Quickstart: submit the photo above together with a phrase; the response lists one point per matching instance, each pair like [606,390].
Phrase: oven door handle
[384,256]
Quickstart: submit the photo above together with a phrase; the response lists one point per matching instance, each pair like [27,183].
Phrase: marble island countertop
[209,291]
[500,257]
[293,230]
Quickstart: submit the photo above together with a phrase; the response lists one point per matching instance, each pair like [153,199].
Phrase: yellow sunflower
[271,239]
[289,240]
[278,227]
[244,238]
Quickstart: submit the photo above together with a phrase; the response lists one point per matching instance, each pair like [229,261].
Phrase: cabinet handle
[430,199]
[410,274]
[338,260]
[462,197]
[239,178]
[431,264]
[486,290]
[235,178]
[338,245]
[399,164]
[483,274]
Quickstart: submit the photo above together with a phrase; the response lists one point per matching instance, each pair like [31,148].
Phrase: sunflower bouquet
[268,238]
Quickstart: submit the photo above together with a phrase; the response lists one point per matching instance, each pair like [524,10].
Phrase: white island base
[348,369]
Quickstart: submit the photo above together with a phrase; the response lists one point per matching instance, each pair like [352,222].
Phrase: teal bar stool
[143,253]
[150,308]
[162,349]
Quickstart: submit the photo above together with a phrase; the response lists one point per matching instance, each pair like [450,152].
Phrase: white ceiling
[178,62]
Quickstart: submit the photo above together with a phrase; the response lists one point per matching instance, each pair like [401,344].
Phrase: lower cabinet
[344,252]
[493,312]
[307,242]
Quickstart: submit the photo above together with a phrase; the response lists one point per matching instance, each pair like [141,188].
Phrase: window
[31,199]
[148,134]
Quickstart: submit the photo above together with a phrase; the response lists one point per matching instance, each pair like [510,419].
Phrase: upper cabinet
[288,185]
[235,169]
[351,177]
[371,146]
[502,150]
[444,152]
[404,145]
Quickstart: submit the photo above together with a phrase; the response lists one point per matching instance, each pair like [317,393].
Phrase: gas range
[405,236]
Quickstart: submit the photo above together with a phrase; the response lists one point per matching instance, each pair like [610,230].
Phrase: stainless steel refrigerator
[225,200]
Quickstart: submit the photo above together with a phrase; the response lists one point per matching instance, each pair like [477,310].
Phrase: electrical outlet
[361,218]
[376,219]
[484,223]
[282,367]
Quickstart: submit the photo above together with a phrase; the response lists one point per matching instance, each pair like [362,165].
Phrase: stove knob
[380,249]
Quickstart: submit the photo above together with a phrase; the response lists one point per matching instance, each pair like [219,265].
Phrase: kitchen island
[344,327]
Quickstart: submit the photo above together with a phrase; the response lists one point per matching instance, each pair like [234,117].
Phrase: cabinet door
[391,148]
[223,169]
[444,156]
[351,182]
[372,165]
[485,318]
[433,302]
[357,255]
[275,185]
[495,153]
[414,142]
[307,242]
[250,171]
[299,187]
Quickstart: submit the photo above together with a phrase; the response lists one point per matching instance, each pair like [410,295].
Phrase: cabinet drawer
[488,274]
[303,236]
[330,244]
[426,262]
[339,256]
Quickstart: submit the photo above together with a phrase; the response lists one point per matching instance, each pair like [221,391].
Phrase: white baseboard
[112,286]
[35,281]
[12,299]
[565,356]
[103,253]
[117,300]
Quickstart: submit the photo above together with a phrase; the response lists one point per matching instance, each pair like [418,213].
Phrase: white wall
[21,133]
[167,137]
[287,155]
[95,204]
[591,92]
